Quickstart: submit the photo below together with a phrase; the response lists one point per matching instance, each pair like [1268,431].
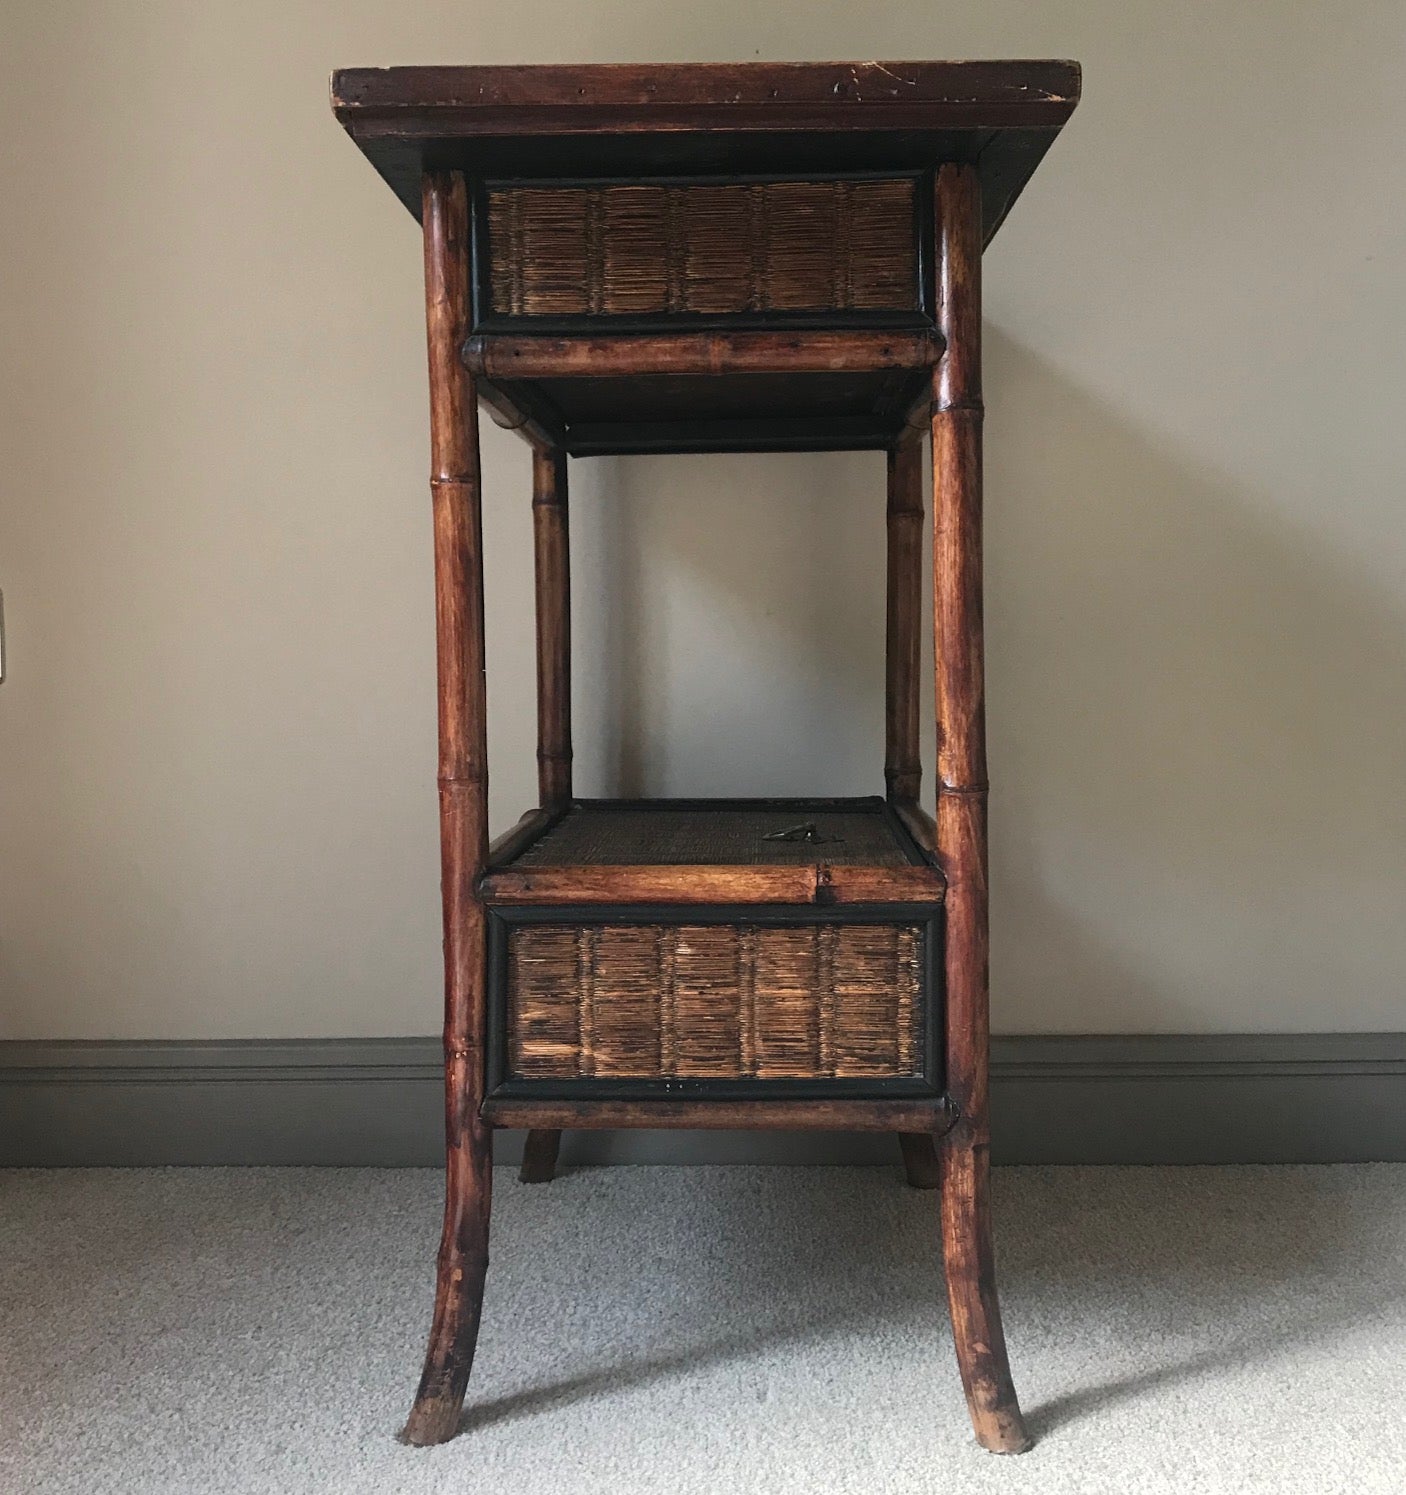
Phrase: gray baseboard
[1325,1097]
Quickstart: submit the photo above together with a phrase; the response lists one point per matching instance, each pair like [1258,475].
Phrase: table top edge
[857,93]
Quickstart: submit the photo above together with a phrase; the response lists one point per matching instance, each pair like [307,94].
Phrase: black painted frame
[503,1085]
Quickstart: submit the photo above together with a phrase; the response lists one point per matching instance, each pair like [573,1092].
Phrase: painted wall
[217,738]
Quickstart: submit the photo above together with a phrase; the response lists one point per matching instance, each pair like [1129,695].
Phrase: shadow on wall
[1197,712]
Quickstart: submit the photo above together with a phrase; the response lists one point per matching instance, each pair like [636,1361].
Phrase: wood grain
[918,823]
[553,586]
[903,764]
[617,97]
[552,575]
[961,817]
[601,356]
[920,1162]
[965,1188]
[518,837]
[799,885]
[463,799]
[837,353]
[541,424]
[539,1155]
[922,1115]
[744,120]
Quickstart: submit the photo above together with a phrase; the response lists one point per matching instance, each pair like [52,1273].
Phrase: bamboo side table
[759,257]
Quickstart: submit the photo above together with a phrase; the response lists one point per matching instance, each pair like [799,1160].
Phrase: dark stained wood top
[728,119]
[722,95]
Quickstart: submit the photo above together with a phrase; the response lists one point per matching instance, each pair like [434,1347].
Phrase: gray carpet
[702,1330]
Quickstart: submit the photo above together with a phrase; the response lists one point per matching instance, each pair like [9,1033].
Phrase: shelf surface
[796,833]
[675,413]
[723,854]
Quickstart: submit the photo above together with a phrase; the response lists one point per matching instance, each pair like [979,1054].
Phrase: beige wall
[216,741]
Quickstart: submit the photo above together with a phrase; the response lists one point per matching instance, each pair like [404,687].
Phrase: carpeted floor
[702,1330]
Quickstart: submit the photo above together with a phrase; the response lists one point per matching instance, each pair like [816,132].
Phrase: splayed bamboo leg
[971,1296]
[961,817]
[463,803]
[459,1280]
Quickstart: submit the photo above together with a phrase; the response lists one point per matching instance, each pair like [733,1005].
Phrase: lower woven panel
[715,1001]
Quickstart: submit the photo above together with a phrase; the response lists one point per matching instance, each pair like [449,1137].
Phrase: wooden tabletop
[631,120]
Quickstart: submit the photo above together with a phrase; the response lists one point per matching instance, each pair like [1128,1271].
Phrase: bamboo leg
[903,764]
[920,1164]
[463,795]
[539,1156]
[552,563]
[971,1296]
[961,817]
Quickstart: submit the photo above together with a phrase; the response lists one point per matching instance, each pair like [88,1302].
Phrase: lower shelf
[596,998]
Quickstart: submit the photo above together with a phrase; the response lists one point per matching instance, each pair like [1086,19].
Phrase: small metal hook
[806,831]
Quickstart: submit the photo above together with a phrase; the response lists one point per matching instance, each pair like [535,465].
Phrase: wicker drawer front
[619,250]
[715,1001]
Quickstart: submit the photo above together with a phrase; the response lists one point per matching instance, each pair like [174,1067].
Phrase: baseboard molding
[1324,1097]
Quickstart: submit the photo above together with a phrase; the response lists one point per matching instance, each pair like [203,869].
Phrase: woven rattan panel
[715,1001]
[662,835]
[622,250]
